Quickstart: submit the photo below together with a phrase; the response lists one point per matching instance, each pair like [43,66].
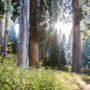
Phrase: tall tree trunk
[34,51]
[77,56]
[23,39]
[5,37]
[0,37]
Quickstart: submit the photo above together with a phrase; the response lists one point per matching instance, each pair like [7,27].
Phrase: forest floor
[86,86]
[19,78]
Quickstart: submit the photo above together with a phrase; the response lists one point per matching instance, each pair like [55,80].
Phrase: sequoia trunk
[77,56]
[34,51]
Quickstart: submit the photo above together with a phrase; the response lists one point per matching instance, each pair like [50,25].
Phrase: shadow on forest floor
[87,81]
[86,86]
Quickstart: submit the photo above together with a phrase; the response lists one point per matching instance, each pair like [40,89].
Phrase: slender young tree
[7,16]
[5,36]
[2,10]
[23,39]
[77,56]
[0,37]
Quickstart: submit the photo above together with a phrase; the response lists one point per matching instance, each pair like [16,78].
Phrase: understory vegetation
[19,78]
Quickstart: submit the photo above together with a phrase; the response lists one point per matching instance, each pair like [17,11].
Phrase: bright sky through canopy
[17,29]
[65,28]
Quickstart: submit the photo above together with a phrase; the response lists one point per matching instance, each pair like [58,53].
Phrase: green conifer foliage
[2,8]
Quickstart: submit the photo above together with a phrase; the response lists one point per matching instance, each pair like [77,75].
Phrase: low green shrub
[86,69]
[66,68]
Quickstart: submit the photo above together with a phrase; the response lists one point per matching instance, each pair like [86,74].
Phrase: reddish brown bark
[77,56]
[5,37]
[34,51]
[0,37]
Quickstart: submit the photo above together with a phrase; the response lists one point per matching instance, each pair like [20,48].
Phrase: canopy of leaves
[16,6]
[2,8]
[86,52]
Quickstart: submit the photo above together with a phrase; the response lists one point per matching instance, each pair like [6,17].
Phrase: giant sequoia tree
[77,56]
[34,50]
